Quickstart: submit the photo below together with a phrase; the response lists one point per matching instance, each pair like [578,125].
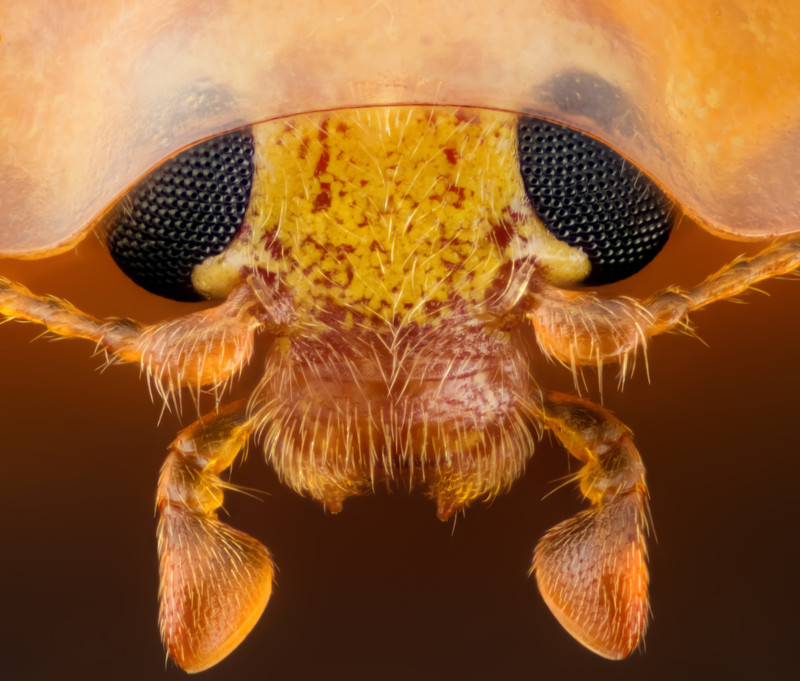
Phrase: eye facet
[590,197]
[187,210]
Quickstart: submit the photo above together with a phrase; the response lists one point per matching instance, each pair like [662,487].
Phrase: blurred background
[384,590]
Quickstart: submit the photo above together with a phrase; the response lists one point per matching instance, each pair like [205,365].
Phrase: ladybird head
[451,194]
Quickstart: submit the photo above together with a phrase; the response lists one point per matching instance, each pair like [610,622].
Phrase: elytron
[394,259]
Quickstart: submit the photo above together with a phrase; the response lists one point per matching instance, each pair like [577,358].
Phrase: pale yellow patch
[381,211]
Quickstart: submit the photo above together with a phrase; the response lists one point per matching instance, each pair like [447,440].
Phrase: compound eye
[590,197]
[185,211]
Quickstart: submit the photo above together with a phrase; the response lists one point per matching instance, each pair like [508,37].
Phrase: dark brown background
[385,590]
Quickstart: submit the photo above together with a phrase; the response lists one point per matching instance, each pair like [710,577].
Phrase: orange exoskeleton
[393,261]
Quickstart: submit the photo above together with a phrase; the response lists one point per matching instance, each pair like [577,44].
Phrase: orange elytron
[397,259]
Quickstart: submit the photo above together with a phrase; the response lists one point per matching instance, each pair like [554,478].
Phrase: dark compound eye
[590,197]
[187,210]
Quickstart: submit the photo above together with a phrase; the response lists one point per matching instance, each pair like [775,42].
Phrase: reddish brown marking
[274,247]
[322,163]
[466,116]
[503,232]
[323,199]
[458,191]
